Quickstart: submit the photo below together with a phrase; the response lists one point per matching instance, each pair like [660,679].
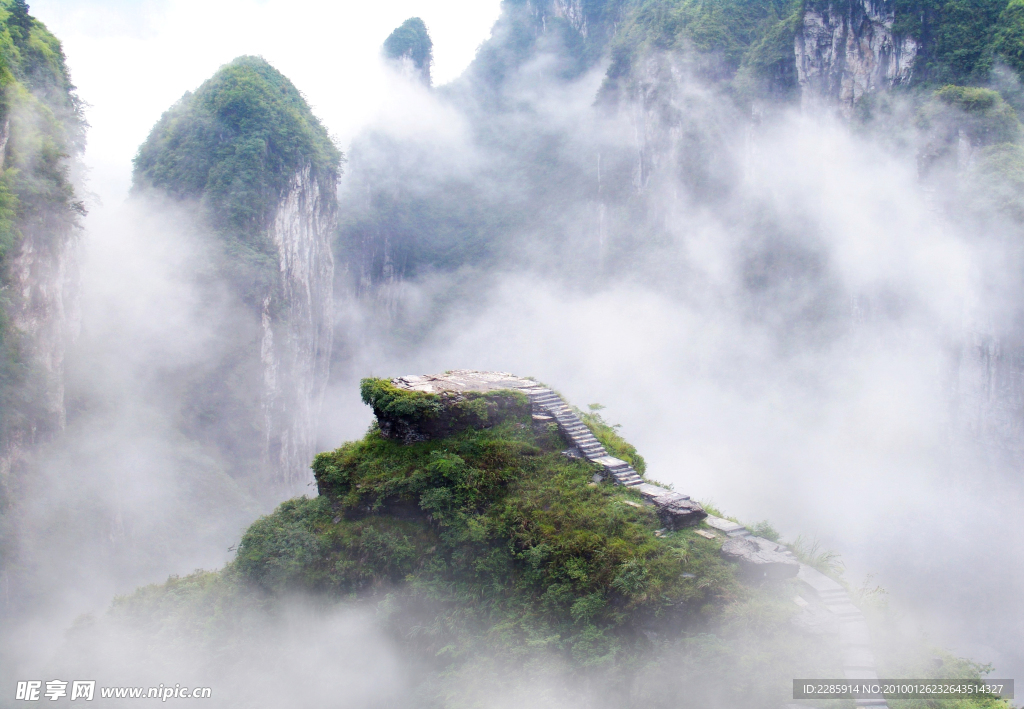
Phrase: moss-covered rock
[411,416]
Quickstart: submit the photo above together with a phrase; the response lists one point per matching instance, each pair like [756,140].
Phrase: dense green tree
[1009,37]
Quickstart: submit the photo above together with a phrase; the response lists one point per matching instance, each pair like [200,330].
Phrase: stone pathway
[580,436]
[840,615]
[825,604]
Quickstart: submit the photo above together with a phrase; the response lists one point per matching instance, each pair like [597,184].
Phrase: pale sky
[132,59]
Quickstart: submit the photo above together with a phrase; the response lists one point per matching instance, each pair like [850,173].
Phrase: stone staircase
[546,401]
[674,509]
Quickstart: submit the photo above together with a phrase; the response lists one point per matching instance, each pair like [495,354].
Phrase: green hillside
[501,571]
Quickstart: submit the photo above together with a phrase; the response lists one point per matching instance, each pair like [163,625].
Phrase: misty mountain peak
[410,47]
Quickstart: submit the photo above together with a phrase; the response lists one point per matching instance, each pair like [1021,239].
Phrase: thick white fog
[826,404]
[842,428]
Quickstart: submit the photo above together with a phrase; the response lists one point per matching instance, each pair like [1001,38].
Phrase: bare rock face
[297,334]
[844,53]
[760,558]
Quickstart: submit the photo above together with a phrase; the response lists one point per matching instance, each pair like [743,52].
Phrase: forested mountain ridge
[853,56]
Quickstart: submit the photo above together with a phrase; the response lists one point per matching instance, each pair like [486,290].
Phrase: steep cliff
[261,172]
[846,51]
[41,136]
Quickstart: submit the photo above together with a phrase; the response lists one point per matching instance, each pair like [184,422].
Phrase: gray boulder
[674,509]
[760,558]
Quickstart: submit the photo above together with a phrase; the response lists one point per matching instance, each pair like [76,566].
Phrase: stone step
[723,525]
[834,596]
[844,610]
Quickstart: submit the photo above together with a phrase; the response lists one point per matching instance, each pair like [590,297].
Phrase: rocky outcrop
[675,510]
[760,558]
[844,53]
[297,333]
[422,408]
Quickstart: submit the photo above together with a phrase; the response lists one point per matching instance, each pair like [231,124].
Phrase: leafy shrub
[765,530]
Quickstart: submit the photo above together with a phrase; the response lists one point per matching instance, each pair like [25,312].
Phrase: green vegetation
[996,181]
[497,565]
[765,530]
[721,36]
[824,560]
[411,40]
[391,401]
[611,440]
[956,37]
[1009,37]
[414,415]
[234,146]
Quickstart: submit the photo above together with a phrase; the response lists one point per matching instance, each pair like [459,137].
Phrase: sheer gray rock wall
[297,333]
[844,54]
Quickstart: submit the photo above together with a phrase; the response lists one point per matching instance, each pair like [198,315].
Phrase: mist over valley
[654,353]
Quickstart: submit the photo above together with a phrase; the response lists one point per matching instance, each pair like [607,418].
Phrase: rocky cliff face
[844,53]
[40,136]
[42,309]
[295,344]
[572,11]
